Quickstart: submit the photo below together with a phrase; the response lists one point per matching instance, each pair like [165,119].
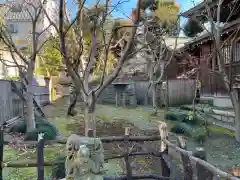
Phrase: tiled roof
[19,11]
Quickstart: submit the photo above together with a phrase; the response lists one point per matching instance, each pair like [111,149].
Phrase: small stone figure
[84,158]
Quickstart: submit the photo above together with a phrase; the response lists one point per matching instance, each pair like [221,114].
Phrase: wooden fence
[41,94]
[193,163]
[175,92]
[11,104]
[180,92]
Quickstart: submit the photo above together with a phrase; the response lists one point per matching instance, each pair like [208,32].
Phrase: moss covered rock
[49,134]
[181,128]
[58,171]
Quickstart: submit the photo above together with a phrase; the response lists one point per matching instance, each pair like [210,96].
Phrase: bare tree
[25,59]
[160,55]
[79,65]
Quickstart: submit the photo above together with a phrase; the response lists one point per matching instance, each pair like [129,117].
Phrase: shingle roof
[18,11]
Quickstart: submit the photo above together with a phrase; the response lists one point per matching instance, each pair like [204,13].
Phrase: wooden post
[165,160]
[40,157]
[126,154]
[116,98]
[202,172]
[162,127]
[1,150]
[188,172]
[90,133]
[124,99]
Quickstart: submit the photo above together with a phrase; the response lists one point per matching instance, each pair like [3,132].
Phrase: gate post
[165,163]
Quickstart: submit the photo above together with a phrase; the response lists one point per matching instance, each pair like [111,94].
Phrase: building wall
[8,71]
[21,35]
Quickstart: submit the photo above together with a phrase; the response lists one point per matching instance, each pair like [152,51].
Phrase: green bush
[181,117]
[48,125]
[186,108]
[181,128]
[175,116]
[19,128]
[199,134]
[22,126]
[58,171]
[33,135]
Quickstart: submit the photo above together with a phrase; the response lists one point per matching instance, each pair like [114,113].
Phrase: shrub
[199,134]
[185,108]
[181,117]
[20,127]
[48,125]
[175,116]
[181,128]
[58,171]
[47,130]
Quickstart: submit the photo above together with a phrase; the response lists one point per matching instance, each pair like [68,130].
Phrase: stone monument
[85,158]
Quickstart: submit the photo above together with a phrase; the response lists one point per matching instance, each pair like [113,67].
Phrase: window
[236,53]
[12,28]
[226,51]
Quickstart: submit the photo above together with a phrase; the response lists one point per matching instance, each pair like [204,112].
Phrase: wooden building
[202,48]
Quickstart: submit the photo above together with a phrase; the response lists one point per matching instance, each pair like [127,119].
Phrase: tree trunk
[154,102]
[71,109]
[86,119]
[236,107]
[89,115]
[29,103]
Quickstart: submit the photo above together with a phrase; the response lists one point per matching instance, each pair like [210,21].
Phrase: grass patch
[219,130]
[13,155]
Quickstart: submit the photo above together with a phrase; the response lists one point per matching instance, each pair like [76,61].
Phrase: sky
[124,10]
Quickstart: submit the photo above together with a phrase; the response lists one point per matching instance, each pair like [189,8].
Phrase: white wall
[6,71]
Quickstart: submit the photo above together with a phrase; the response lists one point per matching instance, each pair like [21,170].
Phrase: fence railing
[39,162]
[204,170]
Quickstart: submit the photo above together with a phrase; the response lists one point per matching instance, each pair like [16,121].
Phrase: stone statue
[85,158]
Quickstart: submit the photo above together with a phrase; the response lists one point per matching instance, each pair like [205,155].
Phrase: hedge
[182,128]
[181,117]
[199,134]
[47,130]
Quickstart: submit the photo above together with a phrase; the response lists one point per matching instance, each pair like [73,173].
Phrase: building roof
[179,42]
[196,8]
[18,11]
[205,35]
[202,6]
